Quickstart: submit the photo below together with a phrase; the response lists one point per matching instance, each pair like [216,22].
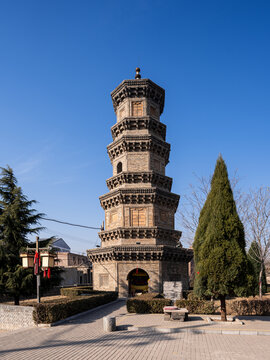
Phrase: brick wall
[105,276]
[15,317]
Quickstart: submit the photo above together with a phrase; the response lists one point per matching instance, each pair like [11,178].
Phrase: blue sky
[59,61]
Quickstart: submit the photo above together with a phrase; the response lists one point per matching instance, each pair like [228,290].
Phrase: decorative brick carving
[141,233]
[138,253]
[138,217]
[137,108]
[139,196]
[143,88]
[139,143]
[147,122]
[151,177]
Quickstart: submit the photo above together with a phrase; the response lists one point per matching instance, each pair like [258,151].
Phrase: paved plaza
[84,338]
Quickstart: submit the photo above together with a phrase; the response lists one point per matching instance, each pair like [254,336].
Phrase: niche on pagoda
[139,216]
[137,107]
[129,216]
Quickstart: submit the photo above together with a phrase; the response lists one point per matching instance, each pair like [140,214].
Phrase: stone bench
[174,313]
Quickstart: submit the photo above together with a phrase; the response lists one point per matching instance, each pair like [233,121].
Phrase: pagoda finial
[138,75]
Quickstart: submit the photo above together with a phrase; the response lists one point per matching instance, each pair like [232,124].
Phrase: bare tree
[257,227]
[192,204]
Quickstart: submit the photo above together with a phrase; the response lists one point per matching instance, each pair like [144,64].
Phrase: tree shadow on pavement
[96,314]
[105,340]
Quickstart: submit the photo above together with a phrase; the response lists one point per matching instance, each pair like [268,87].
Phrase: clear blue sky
[59,61]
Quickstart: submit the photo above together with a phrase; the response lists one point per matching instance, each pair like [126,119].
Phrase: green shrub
[197,306]
[149,296]
[193,296]
[53,311]
[76,291]
[251,307]
[140,306]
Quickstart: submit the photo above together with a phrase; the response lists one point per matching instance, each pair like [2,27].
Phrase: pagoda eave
[138,88]
[145,177]
[139,196]
[140,253]
[140,233]
[138,143]
[133,123]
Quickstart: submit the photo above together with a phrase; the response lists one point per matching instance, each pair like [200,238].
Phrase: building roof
[60,245]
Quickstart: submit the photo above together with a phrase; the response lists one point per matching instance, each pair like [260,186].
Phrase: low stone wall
[15,317]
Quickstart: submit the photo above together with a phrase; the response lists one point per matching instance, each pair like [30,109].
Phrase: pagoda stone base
[112,267]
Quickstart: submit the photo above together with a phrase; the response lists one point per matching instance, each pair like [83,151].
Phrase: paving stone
[83,338]
[263,333]
[248,332]
[231,332]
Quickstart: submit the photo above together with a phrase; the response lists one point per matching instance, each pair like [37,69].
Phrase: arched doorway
[137,281]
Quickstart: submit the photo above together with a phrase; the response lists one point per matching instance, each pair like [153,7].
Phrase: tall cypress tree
[17,219]
[219,245]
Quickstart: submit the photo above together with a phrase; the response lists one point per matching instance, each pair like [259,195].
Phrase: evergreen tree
[219,245]
[254,258]
[17,219]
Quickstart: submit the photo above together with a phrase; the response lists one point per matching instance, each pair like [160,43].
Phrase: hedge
[251,307]
[147,306]
[49,312]
[76,291]
[149,296]
[197,306]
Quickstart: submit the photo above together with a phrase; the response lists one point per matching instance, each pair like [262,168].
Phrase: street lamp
[47,259]
[41,259]
[27,259]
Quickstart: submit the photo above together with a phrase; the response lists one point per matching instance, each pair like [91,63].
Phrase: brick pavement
[251,323]
[83,338]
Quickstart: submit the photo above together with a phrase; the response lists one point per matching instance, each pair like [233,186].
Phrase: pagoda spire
[138,75]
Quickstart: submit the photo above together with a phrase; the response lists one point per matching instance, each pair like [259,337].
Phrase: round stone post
[109,323]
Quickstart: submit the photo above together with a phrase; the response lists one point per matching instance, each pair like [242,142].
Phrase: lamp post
[41,259]
[36,269]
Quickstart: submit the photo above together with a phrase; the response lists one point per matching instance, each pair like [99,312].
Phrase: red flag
[49,273]
[36,262]
[44,273]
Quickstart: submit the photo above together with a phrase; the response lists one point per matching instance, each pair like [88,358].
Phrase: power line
[72,237]
[67,223]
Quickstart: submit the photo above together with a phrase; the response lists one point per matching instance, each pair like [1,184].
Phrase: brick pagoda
[140,248]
